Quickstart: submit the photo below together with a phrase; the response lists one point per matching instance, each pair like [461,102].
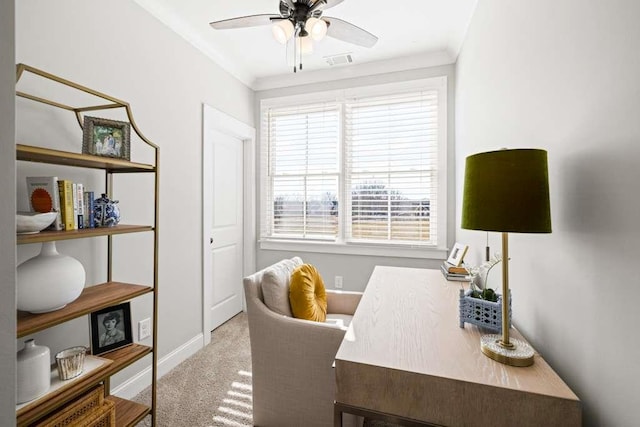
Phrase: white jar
[49,281]
[34,371]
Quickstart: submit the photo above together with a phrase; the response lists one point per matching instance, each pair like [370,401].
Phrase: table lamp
[507,191]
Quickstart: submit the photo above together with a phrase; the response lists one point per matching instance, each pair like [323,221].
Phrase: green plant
[487,294]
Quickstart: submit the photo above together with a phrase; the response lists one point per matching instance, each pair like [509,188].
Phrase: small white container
[33,371]
[70,362]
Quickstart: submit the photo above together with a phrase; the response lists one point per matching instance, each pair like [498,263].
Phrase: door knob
[210,239]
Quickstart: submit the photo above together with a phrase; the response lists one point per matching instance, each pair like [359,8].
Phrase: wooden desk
[406,359]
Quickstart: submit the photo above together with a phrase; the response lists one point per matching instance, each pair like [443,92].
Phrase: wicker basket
[89,410]
[103,417]
[483,313]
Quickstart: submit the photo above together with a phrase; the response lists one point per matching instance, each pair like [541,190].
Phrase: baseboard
[130,388]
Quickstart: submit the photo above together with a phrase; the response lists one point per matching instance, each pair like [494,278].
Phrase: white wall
[564,76]
[7,215]
[356,269]
[118,48]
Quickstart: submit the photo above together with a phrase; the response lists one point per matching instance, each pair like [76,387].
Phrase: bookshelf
[98,296]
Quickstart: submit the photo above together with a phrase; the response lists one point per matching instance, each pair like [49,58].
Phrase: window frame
[341,245]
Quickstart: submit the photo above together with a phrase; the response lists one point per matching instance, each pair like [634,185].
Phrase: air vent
[343,58]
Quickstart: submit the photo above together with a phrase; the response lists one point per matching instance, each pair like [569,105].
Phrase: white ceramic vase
[33,371]
[49,281]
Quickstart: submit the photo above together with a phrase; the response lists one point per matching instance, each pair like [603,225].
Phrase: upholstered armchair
[292,359]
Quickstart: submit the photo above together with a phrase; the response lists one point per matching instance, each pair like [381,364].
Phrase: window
[361,167]
[303,172]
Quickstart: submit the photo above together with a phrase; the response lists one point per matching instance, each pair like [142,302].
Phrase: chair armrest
[342,302]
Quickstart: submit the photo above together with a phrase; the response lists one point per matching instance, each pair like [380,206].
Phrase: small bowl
[33,222]
[70,362]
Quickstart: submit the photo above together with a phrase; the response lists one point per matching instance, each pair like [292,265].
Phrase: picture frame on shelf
[106,138]
[457,254]
[111,328]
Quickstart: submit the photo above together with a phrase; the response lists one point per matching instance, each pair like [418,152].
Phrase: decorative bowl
[33,222]
[70,362]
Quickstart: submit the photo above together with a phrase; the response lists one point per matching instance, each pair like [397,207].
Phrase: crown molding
[178,26]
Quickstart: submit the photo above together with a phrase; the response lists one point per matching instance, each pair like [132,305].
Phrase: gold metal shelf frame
[83,159]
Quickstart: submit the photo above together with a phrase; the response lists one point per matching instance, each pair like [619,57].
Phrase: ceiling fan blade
[324,4]
[345,31]
[244,21]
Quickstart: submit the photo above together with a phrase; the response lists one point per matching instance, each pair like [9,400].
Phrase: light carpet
[212,387]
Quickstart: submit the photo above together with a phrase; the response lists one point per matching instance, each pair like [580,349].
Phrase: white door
[225,227]
[228,165]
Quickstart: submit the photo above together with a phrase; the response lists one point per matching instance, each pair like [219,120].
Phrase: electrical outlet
[144,329]
[338,282]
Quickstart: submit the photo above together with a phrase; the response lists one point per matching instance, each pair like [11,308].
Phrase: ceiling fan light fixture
[317,28]
[304,45]
[282,31]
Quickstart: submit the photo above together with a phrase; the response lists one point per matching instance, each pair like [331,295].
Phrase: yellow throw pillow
[307,295]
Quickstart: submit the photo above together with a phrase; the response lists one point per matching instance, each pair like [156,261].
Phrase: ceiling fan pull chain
[295,45]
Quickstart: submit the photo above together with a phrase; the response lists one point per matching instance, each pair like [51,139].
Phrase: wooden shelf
[125,356]
[30,413]
[128,413]
[103,295]
[92,298]
[52,235]
[56,157]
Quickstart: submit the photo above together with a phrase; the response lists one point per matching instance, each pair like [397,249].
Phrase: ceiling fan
[303,20]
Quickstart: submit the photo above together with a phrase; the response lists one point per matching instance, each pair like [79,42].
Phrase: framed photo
[457,254]
[111,328]
[108,138]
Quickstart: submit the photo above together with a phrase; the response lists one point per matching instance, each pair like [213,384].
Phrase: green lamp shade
[507,191]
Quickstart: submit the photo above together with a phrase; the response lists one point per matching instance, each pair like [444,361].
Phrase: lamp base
[520,354]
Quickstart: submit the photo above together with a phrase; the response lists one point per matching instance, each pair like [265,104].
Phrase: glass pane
[391,207]
[305,207]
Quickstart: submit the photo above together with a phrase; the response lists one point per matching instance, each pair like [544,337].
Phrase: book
[89,212]
[455,269]
[65,188]
[453,276]
[74,196]
[80,197]
[44,197]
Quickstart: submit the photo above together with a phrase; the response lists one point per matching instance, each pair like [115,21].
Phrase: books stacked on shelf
[455,273]
[73,204]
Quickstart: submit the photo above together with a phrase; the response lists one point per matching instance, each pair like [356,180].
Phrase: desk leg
[337,415]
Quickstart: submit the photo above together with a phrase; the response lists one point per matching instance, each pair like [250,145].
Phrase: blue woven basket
[486,314]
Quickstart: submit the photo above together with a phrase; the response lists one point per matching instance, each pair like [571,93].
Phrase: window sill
[395,251]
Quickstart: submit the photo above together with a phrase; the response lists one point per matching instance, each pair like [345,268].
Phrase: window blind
[302,164]
[391,165]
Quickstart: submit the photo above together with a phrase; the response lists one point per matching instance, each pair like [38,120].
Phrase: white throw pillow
[275,285]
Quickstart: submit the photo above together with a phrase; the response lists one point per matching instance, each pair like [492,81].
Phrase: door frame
[218,121]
